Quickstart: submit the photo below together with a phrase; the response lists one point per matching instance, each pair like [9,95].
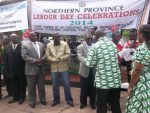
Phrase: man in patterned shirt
[103,56]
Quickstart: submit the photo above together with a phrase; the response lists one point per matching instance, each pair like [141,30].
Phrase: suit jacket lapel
[10,48]
[18,47]
[33,49]
[85,49]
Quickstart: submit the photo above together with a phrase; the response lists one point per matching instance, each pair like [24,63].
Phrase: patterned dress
[139,101]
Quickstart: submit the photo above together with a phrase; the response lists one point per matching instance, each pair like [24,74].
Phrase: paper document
[126,53]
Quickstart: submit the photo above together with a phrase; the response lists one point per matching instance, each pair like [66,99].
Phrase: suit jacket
[54,52]
[14,64]
[82,54]
[29,54]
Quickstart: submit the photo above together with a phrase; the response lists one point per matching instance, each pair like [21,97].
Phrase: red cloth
[26,33]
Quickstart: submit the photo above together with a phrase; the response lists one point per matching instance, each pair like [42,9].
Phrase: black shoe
[108,107]
[70,103]
[21,102]
[12,101]
[32,105]
[82,106]
[55,103]
[93,107]
[43,102]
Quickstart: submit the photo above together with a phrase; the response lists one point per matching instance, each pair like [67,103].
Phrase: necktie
[37,49]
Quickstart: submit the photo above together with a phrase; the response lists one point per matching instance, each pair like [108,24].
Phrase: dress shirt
[14,46]
[37,48]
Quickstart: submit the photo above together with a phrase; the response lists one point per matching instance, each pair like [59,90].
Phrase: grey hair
[5,37]
[13,35]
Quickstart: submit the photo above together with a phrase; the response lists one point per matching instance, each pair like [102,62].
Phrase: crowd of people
[100,63]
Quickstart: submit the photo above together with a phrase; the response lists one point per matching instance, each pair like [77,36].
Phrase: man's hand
[60,58]
[129,91]
[56,60]
[38,61]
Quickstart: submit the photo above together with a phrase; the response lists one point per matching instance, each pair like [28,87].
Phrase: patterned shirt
[103,56]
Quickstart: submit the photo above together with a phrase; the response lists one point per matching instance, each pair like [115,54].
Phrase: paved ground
[61,108]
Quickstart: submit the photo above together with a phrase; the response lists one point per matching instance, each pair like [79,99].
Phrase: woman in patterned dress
[139,87]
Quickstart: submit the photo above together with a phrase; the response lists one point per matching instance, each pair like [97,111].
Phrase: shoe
[43,102]
[12,101]
[70,103]
[6,96]
[55,103]
[108,107]
[93,107]
[82,106]
[32,105]
[21,102]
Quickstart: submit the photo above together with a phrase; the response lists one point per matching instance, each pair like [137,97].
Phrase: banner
[76,17]
[13,17]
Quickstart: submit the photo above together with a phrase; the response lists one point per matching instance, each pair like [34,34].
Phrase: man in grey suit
[33,53]
[87,76]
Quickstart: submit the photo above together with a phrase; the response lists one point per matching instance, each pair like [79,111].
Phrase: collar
[34,42]
[56,45]
[88,45]
[14,44]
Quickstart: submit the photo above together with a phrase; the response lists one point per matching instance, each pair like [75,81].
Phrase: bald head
[56,38]
[5,37]
[98,34]
[5,40]
[33,36]
[56,34]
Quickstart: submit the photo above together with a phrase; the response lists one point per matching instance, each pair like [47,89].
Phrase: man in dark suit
[7,80]
[33,53]
[1,64]
[15,68]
